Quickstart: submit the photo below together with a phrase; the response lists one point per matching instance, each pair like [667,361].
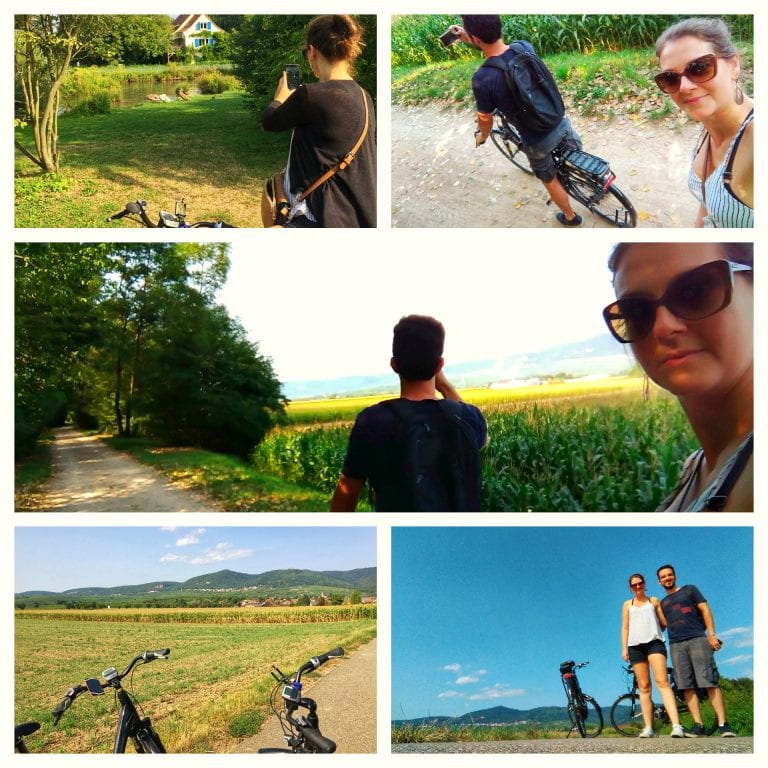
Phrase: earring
[738,93]
[646,388]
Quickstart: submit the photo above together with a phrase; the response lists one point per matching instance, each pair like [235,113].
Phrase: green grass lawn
[210,150]
[212,689]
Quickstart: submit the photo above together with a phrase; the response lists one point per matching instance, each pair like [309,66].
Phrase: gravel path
[661,745]
[89,476]
[439,178]
[346,699]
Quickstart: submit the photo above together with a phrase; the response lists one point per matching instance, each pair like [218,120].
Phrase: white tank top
[643,624]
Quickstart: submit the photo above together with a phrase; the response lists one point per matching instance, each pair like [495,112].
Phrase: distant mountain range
[493,716]
[363,579]
[598,356]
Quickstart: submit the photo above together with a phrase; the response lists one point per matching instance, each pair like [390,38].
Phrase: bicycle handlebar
[145,657]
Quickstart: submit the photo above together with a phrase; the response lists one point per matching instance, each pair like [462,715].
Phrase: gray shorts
[540,154]
[694,663]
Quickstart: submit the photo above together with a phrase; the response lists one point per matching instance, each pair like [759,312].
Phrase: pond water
[136,93]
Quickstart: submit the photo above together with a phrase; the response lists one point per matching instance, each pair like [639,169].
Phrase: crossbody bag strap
[343,163]
[728,172]
[719,496]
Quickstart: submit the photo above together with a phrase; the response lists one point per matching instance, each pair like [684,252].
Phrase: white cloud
[221,552]
[171,558]
[467,679]
[738,637]
[448,695]
[193,537]
[497,691]
[743,659]
[452,667]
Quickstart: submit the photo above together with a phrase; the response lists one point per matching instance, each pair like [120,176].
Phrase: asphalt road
[662,745]
[346,704]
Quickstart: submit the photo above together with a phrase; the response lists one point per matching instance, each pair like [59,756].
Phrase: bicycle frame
[130,725]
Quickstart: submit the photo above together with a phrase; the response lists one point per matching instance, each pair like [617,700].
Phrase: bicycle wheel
[508,142]
[627,718]
[588,717]
[708,716]
[148,743]
[611,205]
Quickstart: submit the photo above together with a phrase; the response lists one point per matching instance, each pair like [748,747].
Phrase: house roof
[185,21]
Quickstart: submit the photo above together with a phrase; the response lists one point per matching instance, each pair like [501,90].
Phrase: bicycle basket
[582,163]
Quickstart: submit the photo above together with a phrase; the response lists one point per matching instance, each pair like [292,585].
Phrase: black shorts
[640,653]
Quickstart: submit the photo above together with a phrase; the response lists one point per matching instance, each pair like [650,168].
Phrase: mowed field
[211,691]
[570,446]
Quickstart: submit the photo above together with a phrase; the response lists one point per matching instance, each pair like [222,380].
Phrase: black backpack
[533,89]
[441,459]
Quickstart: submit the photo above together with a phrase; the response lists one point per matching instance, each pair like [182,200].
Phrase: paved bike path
[346,704]
[89,476]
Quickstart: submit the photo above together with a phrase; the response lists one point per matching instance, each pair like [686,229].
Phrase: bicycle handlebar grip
[66,702]
[336,653]
[318,741]
[163,653]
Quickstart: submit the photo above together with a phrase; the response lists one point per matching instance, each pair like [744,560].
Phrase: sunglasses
[638,585]
[693,295]
[699,70]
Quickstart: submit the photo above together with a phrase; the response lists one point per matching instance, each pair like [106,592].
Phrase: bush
[216,82]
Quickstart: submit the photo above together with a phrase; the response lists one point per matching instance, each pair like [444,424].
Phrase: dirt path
[346,699]
[92,477]
[439,179]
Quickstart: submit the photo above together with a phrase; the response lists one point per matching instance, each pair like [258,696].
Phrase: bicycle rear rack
[592,166]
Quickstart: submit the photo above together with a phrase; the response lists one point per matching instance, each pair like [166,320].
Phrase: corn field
[415,38]
[605,453]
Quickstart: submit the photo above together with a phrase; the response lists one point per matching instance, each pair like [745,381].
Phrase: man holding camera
[692,645]
[418,453]
[492,91]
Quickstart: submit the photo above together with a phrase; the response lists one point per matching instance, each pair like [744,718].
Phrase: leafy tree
[45,47]
[134,39]
[56,287]
[262,45]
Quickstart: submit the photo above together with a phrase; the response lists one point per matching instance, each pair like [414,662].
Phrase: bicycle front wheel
[627,718]
[588,717]
[508,142]
[611,204]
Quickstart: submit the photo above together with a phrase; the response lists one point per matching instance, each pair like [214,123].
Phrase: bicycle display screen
[94,686]
[290,693]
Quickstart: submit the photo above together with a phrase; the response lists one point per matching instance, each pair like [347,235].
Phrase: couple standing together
[686,616]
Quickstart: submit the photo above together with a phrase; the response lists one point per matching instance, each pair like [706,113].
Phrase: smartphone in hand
[293,76]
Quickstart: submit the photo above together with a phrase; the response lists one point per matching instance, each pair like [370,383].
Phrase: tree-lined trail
[89,476]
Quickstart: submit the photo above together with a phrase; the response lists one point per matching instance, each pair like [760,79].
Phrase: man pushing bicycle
[502,82]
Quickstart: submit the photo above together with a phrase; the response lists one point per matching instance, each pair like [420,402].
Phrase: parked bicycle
[137,211]
[627,718]
[131,723]
[583,711]
[301,732]
[586,178]
[20,732]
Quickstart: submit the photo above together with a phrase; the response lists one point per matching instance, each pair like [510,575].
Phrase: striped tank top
[724,209]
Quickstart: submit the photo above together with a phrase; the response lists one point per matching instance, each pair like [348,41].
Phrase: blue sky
[337,320]
[483,617]
[57,559]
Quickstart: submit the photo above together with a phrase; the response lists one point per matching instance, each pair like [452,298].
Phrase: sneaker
[725,731]
[646,733]
[574,222]
[696,730]
[677,732]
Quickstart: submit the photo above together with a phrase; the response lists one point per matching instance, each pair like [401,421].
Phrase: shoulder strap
[728,172]
[719,496]
[343,163]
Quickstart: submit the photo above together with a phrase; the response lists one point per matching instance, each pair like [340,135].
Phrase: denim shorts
[540,154]
[641,651]
[694,663]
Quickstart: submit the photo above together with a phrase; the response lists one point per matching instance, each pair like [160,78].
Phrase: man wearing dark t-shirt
[692,643]
[377,443]
[491,92]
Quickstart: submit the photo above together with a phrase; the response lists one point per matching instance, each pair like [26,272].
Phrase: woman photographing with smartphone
[330,119]
[701,74]
[687,311]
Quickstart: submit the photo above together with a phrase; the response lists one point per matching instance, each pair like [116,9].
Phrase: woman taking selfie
[687,311]
[642,645]
[701,74]
[329,119]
